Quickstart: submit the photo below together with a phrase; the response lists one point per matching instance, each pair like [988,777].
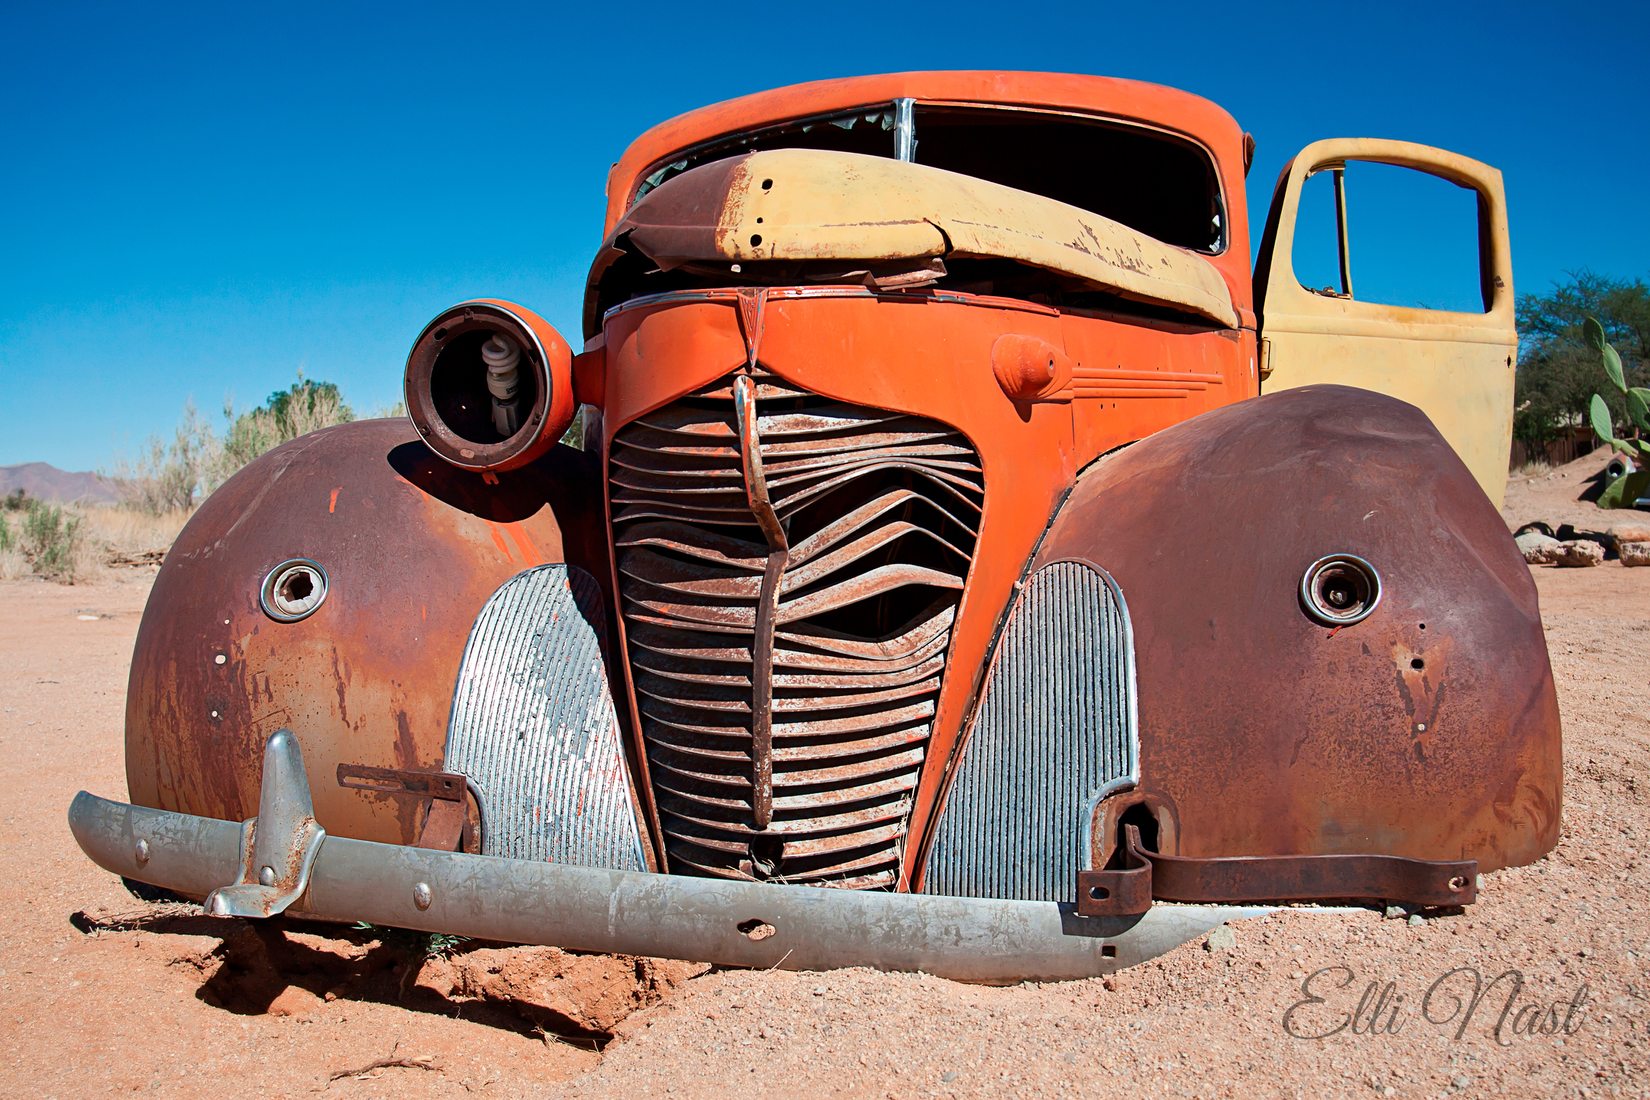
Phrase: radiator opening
[786,715]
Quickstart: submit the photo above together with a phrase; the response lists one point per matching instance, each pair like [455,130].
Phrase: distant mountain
[47,482]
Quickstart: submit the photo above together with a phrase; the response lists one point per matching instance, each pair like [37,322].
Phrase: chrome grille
[789,569]
[1055,731]
[534,729]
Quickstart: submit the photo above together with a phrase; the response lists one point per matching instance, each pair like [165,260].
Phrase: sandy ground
[102,994]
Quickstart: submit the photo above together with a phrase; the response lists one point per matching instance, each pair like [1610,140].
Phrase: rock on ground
[1629,532]
[1538,549]
[1579,552]
[1221,939]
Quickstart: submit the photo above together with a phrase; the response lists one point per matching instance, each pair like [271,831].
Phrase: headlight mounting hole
[1340,589]
[293,590]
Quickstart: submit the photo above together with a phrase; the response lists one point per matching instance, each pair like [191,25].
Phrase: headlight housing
[489,385]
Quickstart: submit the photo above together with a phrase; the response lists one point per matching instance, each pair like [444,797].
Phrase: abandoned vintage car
[965,549]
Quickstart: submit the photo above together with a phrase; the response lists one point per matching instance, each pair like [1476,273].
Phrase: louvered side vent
[789,568]
[1055,729]
[534,728]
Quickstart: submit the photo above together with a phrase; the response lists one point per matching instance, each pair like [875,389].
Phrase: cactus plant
[1627,489]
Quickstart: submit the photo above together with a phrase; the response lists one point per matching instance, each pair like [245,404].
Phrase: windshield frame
[905,136]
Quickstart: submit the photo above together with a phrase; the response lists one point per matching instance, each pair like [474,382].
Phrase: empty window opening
[1391,235]
[1163,186]
[866,130]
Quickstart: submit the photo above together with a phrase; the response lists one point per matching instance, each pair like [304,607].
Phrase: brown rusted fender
[1428,730]
[411,546]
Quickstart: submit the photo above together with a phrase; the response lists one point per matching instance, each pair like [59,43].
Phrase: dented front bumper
[590,909]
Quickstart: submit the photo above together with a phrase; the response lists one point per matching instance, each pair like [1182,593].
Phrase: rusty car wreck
[966,549]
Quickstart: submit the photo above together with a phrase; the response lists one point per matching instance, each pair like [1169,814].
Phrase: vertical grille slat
[1055,727]
[786,678]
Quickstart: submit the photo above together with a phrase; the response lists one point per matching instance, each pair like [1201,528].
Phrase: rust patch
[340,684]
[1422,684]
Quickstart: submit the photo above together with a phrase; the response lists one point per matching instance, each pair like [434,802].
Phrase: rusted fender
[411,547]
[798,205]
[1428,730]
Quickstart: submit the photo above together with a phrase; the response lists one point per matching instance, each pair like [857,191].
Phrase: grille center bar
[767,602]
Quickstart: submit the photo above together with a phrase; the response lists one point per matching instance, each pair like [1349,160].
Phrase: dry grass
[161,487]
[1536,467]
[170,477]
[130,531]
[13,564]
[112,542]
[120,541]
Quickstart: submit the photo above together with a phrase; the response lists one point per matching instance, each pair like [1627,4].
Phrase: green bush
[50,539]
[306,406]
[6,541]
[170,477]
[1557,369]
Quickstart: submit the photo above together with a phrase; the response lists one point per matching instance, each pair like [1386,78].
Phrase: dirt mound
[1556,497]
[580,998]
[291,969]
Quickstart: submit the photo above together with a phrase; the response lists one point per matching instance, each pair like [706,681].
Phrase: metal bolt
[421,895]
[266,875]
[142,852]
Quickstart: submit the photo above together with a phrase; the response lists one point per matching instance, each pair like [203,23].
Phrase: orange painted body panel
[931,355]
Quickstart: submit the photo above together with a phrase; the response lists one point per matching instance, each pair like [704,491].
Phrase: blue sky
[199,202]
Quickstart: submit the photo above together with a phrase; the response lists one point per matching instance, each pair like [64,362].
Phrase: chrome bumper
[589,909]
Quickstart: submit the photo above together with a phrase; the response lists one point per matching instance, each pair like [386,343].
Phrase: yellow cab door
[1452,359]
